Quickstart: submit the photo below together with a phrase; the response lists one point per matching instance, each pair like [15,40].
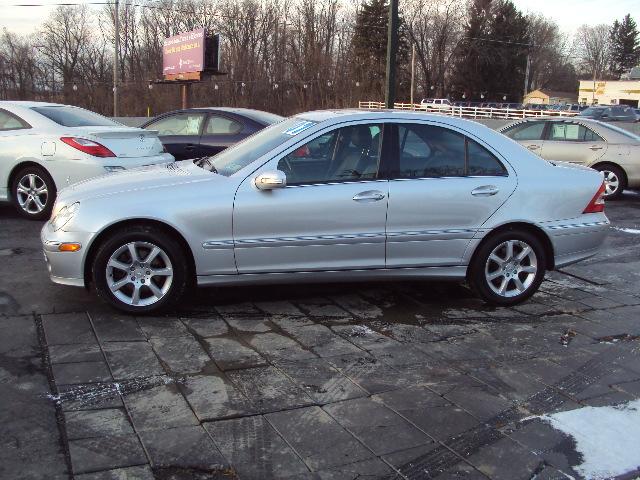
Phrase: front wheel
[140,270]
[508,268]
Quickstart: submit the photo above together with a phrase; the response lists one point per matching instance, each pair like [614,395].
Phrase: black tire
[481,267]
[154,236]
[25,203]
[620,175]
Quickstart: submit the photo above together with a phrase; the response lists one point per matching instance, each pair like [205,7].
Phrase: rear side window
[525,131]
[572,132]
[222,126]
[9,121]
[189,124]
[75,117]
[427,151]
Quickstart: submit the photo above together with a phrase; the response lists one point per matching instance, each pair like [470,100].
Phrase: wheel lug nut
[142,280]
[148,272]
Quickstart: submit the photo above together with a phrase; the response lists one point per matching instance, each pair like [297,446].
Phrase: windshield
[594,112]
[241,154]
[75,117]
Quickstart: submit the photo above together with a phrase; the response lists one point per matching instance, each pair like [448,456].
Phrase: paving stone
[279,308]
[162,327]
[82,372]
[105,453]
[367,372]
[255,449]
[432,373]
[358,306]
[233,310]
[158,408]
[513,383]
[482,402]
[251,325]
[275,346]
[429,461]
[91,396]
[402,355]
[320,381]
[213,397]
[379,428]
[412,333]
[319,440]
[132,360]
[183,447]
[321,340]
[369,469]
[506,460]
[428,411]
[74,353]
[112,327]
[230,354]
[323,308]
[287,321]
[268,389]
[129,473]
[364,337]
[97,423]
[207,326]
[183,355]
[65,328]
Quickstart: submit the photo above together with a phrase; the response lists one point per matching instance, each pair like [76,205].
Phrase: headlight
[114,168]
[63,217]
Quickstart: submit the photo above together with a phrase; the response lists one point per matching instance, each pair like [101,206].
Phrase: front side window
[74,117]
[180,124]
[525,131]
[346,154]
[222,126]
[571,132]
[9,121]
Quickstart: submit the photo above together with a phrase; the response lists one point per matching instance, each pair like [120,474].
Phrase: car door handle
[190,146]
[485,191]
[596,147]
[533,147]
[369,196]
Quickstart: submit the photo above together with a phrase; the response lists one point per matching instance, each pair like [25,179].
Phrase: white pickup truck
[436,104]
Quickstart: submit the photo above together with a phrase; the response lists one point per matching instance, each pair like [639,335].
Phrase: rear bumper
[577,239]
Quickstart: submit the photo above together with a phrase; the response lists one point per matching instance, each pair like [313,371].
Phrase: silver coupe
[331,196]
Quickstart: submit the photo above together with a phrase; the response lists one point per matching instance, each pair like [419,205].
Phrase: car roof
[30,104]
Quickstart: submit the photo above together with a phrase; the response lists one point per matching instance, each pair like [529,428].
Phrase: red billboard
[183,53]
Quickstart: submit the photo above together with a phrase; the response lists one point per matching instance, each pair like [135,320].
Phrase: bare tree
[592,46]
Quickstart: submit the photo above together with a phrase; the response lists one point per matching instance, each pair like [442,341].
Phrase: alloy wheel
[511,268]
[139,273]
[32,194]
[611,182]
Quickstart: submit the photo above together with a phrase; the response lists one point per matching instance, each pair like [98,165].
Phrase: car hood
[137,179]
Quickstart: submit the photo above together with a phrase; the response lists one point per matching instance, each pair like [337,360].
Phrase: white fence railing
[470,112]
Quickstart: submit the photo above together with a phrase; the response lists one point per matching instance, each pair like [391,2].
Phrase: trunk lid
[124,142]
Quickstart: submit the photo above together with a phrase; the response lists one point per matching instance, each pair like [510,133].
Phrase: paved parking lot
[408,380]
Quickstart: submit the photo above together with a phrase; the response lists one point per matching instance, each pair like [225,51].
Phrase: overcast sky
[569,14]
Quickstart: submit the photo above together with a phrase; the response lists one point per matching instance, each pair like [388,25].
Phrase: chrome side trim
[413,236]
[300,241]
[577,225]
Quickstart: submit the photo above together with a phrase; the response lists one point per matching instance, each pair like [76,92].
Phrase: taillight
[597,202]
[88,146]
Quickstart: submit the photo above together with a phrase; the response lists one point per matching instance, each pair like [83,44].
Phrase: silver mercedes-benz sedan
[331,196]
[604,147]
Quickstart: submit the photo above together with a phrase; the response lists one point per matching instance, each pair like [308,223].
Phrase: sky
[569,14]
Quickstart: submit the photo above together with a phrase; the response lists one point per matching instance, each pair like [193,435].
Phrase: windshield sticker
[300,127]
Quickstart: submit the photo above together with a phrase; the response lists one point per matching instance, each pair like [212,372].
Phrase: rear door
[528,134]
[569,141]
[443,186]
[219,133]
[180,133]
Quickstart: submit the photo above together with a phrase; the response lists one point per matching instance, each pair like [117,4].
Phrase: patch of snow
[606,437]
[361,331]
[635,231]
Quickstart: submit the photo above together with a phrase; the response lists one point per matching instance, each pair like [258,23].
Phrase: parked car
[47,146]
[601,146]
[331,196]
[612,113]
[437,103]
[199,132]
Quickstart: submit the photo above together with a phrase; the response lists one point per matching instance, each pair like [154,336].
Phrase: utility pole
[392,48]
[115,58]
[526,73]
[413,73]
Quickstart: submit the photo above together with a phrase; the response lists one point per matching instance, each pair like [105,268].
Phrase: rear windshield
[75,117]
[265,118]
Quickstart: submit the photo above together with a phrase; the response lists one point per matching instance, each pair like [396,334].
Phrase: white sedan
[46,146]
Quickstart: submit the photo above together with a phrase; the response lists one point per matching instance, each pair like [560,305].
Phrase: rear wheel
[33,193]
[615,181]
[508,268]
[140,270]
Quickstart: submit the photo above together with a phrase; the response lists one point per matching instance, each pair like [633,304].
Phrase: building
[549,97]
[610,92]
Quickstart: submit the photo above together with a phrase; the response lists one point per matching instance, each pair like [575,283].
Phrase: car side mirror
[270,180]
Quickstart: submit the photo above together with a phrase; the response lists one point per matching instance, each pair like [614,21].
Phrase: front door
[569,141]
[330,216]
[443,187]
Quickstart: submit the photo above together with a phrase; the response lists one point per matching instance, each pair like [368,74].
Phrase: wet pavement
[343,381]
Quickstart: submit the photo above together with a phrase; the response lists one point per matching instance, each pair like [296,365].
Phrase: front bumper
[66,268]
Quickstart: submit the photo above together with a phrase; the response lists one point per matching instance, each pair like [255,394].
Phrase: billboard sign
[183,53]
